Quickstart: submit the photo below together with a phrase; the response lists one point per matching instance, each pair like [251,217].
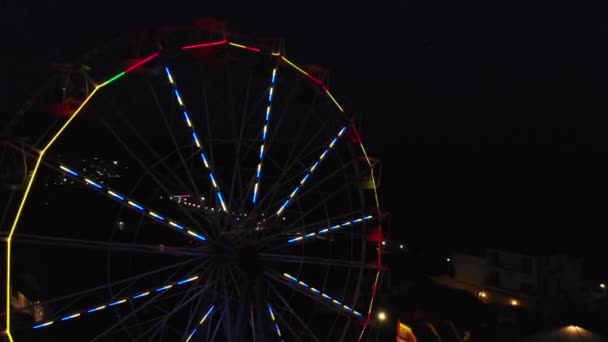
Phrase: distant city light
[401,246]
[482,294]
[602,286]
[383,243]
[448,259]
[514,302]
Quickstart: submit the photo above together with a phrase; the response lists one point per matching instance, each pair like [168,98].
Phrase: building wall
[516,279]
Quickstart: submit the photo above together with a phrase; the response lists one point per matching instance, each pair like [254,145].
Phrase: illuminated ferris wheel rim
[115,195]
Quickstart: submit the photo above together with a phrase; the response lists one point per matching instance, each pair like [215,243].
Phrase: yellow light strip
[237,45]
[294,66]
[333,99]
[26,193]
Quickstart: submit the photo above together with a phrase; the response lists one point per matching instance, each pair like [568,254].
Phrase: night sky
[490,119]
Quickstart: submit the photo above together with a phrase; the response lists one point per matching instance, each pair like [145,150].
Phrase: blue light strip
[196,140]
[99,308]
[258,173]
[334,227]
[200,323]
[163,288]
[90,182]
[196,235]
[274,321]
[311,170]
[70,317]
[187,280]
[114,303]
[141,295]
[118,302]
[123,199]
[69,171]
[307,287]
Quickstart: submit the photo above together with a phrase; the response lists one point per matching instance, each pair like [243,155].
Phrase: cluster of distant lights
[201,322]
[274,321]
[100,173]
[195,138]
[258,173]
[321,294]
[311,170]
[116,303]
[185,202]
[121,198]
[328,229]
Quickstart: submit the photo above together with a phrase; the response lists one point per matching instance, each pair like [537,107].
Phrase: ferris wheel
[193,185]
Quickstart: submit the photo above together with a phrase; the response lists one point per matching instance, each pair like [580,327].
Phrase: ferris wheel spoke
[116,196]
[293,312]
[186,299]
[118,301]
[314,226]
[114,283]
[106,246]
[182,160]
[321,297]
[157,293]
[218,325]
[285,324]
[228,326]
[162,323]
[295,226]
[300,259]
[294,157]
[316,186]
[131,203]
[197,142]
[195,310]
[148,170]
[310,171]
[201,322]
[158,320]
[292,161]
[274,322]
[327,229]
[123,118]
[262,152]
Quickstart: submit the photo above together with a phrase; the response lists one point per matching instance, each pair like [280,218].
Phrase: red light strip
[316,80]
[196,46]
[142,62]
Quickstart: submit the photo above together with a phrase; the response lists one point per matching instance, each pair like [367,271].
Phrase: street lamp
[381,316]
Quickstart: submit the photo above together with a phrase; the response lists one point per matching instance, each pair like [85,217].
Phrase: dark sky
[490,118]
